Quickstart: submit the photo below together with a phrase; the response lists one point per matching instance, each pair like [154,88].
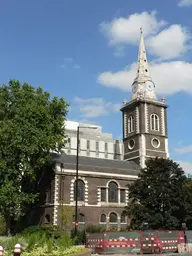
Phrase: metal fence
[138,242]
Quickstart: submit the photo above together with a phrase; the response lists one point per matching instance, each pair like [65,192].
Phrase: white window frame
[131,127]
[106,202]
[153,125]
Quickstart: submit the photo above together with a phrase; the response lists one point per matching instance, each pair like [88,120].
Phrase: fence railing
[140,242]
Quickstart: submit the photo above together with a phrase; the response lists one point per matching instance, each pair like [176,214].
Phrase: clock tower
[144,117]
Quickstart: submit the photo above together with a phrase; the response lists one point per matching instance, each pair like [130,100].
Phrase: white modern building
[93,142]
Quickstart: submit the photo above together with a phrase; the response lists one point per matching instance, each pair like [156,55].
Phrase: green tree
[31,126]
[188,200]
[157,200]
[66,215]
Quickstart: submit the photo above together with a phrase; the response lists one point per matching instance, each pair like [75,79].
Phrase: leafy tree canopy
[159,199]
[31,126]
[188,200]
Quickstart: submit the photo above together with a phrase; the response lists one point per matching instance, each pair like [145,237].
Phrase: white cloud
[126,30]
[119,51]
[76,66]
[169,43]
[69,62]
[184,150]
[184,3]
[68,59]
[187,166]
[169,77]
[95,107]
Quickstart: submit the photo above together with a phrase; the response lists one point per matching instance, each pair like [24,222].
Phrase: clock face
[150,86]
[134,88]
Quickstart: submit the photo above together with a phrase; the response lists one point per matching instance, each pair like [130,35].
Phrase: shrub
[2,225]
[39,241]
[95,229]
[49,232]
[80,238]
[81,234]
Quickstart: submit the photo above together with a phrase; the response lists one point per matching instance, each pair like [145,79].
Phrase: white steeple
[143,85]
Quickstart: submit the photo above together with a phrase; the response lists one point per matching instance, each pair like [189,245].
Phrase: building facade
[102,181]
[93,142]
[102,190]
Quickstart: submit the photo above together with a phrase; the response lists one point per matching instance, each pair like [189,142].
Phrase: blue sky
[85,51]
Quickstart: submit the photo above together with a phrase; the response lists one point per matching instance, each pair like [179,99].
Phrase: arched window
[154,122]
[81,218]
[131,124]
[80,191]
[103,218]
[123,218]
[47,219]
[113,218]
[113,192]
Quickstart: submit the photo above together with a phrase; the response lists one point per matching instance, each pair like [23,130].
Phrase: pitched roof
[98,164]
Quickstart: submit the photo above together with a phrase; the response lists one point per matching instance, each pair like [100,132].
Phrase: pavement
[165,254]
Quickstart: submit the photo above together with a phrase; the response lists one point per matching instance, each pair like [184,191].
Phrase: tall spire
[143,68]
[143,83]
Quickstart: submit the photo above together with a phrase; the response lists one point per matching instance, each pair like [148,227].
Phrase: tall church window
[154,122]
[48,196]
[131,124]
[122,195]
[103,194]
[113,192]
[80,190]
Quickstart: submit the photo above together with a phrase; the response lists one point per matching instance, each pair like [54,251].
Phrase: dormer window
[131,124]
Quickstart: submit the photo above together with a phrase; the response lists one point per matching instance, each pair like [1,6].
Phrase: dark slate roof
[98,164]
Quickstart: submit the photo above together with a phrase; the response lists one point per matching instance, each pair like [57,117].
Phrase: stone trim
[104,204]
[114,175]
[72,189]
[134,157]
[146,114]
[99,196]
[154,150]
[56,200]
[125,125]
[117,204]
[126,196]
[163,121]
[137,120]
[111,180]
[134,151]
[142,150]
[166,147]
[113,212]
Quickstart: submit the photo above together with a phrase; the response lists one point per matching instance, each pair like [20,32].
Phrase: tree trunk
[8,225]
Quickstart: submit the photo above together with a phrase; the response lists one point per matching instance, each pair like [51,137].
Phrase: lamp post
[61,191]
[76,184]
[77,175]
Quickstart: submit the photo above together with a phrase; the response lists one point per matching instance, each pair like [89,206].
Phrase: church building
[102,183]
